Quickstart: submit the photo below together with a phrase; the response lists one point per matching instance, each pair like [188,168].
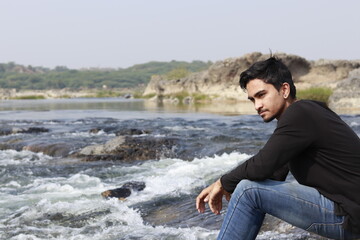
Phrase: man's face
[268,102]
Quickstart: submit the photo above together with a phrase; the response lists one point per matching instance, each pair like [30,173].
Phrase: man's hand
[213,196]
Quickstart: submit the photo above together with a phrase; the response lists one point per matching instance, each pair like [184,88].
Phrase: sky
[121,33]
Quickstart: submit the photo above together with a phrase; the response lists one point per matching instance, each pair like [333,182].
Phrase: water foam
[172,177]
[13,157]
[72,208]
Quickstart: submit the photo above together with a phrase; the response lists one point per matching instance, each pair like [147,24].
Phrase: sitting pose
[312,142]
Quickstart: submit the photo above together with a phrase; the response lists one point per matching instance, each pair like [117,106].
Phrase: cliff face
[346,94]
[220,81]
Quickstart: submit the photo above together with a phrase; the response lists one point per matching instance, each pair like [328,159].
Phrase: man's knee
[246,188]
[248,194]
[246,184]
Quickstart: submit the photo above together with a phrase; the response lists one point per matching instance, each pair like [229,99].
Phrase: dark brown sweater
[319,149]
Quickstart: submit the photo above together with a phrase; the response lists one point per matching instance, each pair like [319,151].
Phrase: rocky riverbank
[220,81]
[13,93]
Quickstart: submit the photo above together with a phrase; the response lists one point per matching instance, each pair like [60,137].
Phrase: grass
[181,96]
[139,95]
[198,97]
[29,97]
[315,93]
[107,93]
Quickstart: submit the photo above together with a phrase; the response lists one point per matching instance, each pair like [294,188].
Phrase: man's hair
[271,71]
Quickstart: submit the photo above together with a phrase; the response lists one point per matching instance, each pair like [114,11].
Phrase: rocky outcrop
[220,81]
[325,71]
[347,93]
[126,148]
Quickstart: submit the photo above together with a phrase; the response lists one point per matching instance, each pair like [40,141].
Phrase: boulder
[6,130]
[347,93]
[51,149]
[15,144]
[127,148]
[124,191]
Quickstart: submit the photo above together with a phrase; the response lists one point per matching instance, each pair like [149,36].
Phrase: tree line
[17,76]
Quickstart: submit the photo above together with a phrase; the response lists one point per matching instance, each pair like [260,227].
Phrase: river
[55,197]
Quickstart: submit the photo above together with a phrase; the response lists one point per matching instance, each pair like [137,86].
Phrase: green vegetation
[177,73]
[17,76]
[30,97]
[139,95]
[198,97]
[315,93]
[107,93]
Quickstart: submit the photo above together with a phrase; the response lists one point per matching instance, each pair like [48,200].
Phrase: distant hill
[17,76]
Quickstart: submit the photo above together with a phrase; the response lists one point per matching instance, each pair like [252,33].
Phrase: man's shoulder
[302,106]
[304,110]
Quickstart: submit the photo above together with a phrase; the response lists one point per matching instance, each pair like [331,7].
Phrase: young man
[320,150]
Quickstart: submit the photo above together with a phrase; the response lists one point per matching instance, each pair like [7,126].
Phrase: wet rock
[128,95]
[13,130]
[124,191]
[15,144]
[95,130]
[34,130]
[120,132]
[127,148]
[51,149]
[5,131]
[132,131]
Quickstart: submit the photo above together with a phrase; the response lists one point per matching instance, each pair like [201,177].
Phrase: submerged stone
[124,191]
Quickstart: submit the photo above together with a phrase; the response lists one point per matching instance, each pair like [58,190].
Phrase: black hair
[272,71]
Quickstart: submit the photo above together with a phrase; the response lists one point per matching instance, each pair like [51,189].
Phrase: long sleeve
[320,150]
[294,134]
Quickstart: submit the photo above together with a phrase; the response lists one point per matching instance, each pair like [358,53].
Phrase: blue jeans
[296,204]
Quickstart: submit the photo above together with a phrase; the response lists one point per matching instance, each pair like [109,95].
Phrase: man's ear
[285,90]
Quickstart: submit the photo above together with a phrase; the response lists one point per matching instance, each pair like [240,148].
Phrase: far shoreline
[222,107]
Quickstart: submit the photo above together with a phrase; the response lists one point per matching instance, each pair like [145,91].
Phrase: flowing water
[55,197]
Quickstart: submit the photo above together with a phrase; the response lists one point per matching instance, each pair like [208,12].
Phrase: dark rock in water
[35,130]
[126,148]
[128,95]
[5,131]
[124,191]
[59,149]
[120,132]
[51,149]
[31,130]
[15,144]
[95,130]
[132,131]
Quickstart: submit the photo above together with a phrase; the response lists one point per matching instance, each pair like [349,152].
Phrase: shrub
[315,93]
[29,97]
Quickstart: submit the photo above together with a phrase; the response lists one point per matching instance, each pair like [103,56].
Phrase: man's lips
[261,112]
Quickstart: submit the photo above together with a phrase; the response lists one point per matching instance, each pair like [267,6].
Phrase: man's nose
[258,105]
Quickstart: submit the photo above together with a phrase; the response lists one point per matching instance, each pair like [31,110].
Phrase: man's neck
[287,104]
